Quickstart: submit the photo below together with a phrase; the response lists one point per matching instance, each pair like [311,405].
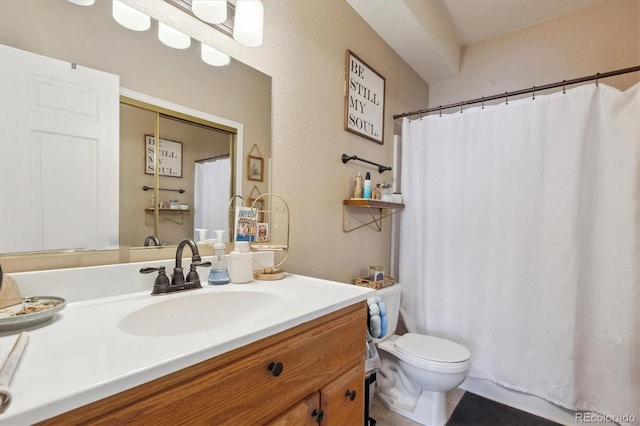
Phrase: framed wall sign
[255,168]
[364,100]
[170,160]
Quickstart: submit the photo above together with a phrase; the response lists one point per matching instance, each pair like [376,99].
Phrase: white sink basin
[198,312]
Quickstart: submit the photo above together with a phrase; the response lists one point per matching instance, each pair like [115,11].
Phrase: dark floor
[474,410]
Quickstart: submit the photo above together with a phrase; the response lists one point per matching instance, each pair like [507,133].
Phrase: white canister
[240,263]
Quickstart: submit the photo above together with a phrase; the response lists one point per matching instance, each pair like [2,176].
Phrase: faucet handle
[161,280]
[193,276]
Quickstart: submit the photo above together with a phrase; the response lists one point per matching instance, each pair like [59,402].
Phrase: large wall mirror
[206,116]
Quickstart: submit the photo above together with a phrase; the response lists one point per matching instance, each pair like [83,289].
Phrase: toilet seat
[432,353]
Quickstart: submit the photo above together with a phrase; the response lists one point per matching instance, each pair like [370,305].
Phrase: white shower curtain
[520,239]
[212,196]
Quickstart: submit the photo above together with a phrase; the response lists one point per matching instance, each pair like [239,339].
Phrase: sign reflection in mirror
[170,157]
[144,66]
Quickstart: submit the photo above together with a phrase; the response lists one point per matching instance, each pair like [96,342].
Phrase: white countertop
[81,355]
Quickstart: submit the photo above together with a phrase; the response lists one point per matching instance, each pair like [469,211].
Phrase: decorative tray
[366,282]
[32,311]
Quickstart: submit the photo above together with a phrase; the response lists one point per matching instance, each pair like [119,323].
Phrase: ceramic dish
[32,311]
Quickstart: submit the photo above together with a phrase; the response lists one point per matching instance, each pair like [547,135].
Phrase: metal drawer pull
[276,368]
[319,415]
[350,394]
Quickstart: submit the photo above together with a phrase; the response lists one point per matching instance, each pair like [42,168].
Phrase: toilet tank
[391,298]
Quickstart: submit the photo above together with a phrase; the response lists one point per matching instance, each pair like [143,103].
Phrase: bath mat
[474,410]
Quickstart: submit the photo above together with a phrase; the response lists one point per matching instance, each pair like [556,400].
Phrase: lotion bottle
[357,193]
[219,273]
[240,263]
[366,192]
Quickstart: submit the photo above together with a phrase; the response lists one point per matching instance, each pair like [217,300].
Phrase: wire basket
[366,282]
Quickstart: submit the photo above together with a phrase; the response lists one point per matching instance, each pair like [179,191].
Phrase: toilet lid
[432,348]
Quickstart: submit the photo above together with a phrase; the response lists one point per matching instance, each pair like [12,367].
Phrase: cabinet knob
[275,368]
[319,415]
[350,394]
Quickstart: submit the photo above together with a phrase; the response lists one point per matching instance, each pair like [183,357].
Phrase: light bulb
[129,17]
[248,25]
[172,37]
[83,2]
[213,56]
[211,11]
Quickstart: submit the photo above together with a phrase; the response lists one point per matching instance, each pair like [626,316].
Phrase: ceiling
[434,31]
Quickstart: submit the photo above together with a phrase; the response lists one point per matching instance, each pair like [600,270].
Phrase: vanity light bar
[136,20]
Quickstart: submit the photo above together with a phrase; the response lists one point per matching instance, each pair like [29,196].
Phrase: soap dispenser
[219,273]
[240,263]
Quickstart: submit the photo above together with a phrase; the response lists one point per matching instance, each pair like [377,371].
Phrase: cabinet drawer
[248,392]
[343,399]
[304,413]
[238,387]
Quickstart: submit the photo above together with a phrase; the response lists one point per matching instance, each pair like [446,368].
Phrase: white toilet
[417,370]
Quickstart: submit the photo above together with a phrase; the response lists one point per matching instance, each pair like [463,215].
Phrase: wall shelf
[150,210]
[170,213]
[375,208]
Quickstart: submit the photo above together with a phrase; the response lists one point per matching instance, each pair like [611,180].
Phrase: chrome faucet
[152,239]
[177,283]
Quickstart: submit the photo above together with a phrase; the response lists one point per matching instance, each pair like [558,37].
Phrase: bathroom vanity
[261,353]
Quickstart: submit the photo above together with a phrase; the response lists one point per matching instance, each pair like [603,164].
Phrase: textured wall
[304,52]
[600,38]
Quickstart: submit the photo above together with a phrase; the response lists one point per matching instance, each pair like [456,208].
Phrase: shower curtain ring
[483,102]
[506,98]
[564,87]
[597,76]
[534,93]
[440,110]
[461,103]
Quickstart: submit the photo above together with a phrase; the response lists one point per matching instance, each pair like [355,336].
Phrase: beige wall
[600,38]
[304,52]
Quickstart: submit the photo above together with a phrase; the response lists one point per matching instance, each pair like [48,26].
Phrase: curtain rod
[217,157]
[533,90]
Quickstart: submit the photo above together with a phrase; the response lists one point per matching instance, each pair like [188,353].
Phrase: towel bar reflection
[146,188]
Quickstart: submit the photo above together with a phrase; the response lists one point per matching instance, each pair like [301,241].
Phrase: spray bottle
[219,273]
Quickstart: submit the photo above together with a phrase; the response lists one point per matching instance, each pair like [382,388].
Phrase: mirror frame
[159,11]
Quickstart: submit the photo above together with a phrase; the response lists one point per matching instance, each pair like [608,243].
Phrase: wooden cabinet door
[304,413]
[343,399]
